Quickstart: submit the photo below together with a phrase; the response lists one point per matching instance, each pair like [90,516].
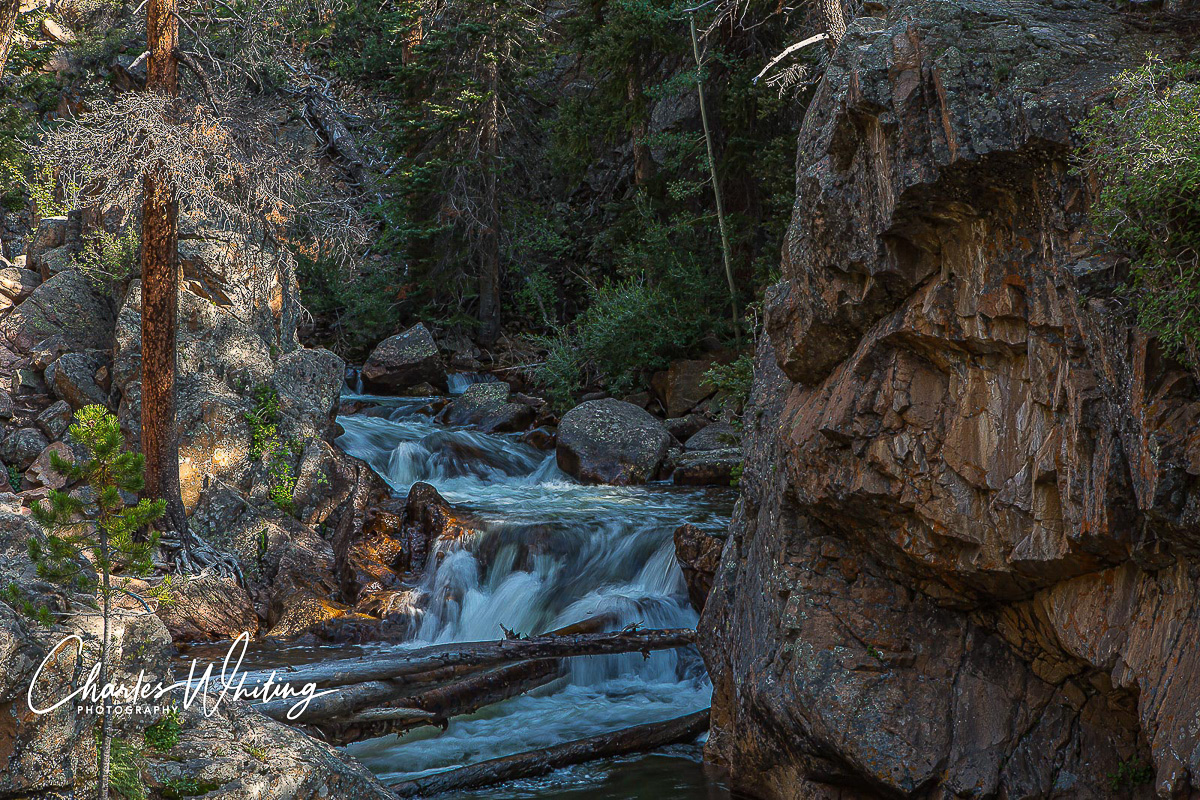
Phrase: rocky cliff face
[965,559]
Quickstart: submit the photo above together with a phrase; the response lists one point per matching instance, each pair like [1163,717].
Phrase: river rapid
[553,552]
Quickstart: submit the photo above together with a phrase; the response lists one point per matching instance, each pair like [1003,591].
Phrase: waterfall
[551,552]
[459,381]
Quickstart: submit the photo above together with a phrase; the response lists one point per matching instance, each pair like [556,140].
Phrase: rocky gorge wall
[964,562]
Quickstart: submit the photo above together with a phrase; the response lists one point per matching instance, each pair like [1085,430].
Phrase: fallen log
[474,654]
[356,697]
[436,706]
[637,739]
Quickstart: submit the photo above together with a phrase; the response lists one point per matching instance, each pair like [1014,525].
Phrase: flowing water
[553,552]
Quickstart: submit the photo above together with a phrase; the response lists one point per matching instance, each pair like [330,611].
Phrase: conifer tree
[8,23]
[105,529]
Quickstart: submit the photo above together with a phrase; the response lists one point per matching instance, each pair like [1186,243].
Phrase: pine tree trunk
[160,310]
[8,23]
[106,727]
[643,161]
[835,21]
[160,289]
[489,262]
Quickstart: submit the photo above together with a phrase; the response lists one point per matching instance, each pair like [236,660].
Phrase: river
[552,552]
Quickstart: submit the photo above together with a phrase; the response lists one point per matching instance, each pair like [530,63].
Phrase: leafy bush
[1144,152]
[125,770]
[15,598]
[186,786]
[1131,774]
[108,259]
[268,446]
[164,734]
[629,329]
[733,379]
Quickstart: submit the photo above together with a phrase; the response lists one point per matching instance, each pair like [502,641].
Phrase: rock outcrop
[963,560]
[611,441]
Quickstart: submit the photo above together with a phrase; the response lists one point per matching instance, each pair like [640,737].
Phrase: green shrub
[1143,150]
[1131,773]
[186,786]
[268,446]
[733,380]
[14,597]
[628,330]
[109,259]
[164,734]
[125,771]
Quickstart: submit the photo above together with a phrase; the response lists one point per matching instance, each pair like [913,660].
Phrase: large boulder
[717,436]
[208,607]
[246,279]
[22,447]
[289,569]
[223,364]
[404,361]
[309,383]
[16,284]
[67,306]
[73,378]
[51,233]
[707,467]
[487,406]
[611,441]
[966,543]
[681,387]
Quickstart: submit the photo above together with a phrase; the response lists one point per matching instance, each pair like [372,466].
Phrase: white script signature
[211,690]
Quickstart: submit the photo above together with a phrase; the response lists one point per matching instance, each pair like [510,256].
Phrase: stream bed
[553,552]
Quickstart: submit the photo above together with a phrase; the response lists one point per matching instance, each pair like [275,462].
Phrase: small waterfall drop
[552,553]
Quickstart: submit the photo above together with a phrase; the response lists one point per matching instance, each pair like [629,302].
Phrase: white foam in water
[554,553]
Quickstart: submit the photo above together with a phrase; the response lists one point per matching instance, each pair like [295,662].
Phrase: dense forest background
[530,178]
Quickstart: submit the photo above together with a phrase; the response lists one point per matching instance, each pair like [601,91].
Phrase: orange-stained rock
[963,560]
[699,555]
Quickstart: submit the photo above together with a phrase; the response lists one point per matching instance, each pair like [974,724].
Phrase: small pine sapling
[105,529]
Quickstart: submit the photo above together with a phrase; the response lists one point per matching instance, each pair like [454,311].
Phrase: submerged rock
[405,360]
[486,406]
[611,441]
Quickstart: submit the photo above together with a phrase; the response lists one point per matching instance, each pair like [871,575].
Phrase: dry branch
[637,739]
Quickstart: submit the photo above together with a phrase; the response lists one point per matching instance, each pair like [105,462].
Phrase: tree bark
[106,728]
[162,37]
[489,261]
[835,21]
[643,159]
[8,24]
[637,739]
[160,289]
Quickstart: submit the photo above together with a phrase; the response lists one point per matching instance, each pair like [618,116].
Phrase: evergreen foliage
[601,176]
[107,526]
